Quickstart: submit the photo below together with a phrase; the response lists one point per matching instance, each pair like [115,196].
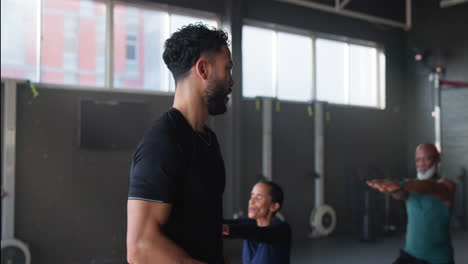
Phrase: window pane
[294,67]
[177,22]
[331,71]
[257,62]
[362,75]
[19,39]
[73,42]
[139,36]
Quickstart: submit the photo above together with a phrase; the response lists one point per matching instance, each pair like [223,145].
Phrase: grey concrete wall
[455,147]
[439,30]
[293,163]
[70,202]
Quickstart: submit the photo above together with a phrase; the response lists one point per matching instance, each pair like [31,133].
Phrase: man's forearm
[426,187]
[399,195]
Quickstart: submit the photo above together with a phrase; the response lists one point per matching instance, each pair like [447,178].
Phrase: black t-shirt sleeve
[157,168]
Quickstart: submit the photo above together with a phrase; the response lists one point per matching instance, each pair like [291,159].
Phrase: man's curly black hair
[185,47]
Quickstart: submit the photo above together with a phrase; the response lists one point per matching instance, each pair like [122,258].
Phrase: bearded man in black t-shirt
[177,176]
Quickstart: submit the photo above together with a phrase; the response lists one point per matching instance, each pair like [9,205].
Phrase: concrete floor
[347,250]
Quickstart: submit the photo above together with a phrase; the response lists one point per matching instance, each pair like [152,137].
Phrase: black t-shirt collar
[182,126]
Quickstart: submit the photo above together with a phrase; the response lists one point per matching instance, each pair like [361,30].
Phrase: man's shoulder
[162,123]
[162,129]
[160,137]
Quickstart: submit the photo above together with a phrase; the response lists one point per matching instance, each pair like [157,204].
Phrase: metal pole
[8,159]
[436,112]
[234,178]
[319,154]
[409,18]
[267,120]
[110,44]
[39,41]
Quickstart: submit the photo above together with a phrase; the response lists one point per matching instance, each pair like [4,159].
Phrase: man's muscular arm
[145,241]
[443,189]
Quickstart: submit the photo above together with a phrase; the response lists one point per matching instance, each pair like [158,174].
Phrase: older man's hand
[385,186]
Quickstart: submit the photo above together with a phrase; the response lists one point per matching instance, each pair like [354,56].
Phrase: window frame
[380,49]
[108,85]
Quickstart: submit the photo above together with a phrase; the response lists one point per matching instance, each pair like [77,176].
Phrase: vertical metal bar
[378,70]
[382,74]
[274,64]
[235,195]
[8,159]
[436,113]
[167,72]
[39,41]
[346,77]
[319,153]
[314,71]
[110,44]
[267,117]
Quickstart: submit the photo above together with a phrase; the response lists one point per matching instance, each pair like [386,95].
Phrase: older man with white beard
[429,202]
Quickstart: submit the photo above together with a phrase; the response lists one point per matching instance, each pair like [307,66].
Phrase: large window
[283,65]
[72,42]
[19,56]
[362,75]
[276,64]
[348,74]
[70,37]
[332,70]
[139,36]
[294,67]
[257,62]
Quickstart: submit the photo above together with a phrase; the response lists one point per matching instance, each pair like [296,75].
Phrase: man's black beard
[215,100]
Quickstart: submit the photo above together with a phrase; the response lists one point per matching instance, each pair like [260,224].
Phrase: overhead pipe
[358,15]
[449,3]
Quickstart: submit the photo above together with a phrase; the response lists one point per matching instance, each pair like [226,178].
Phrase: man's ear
[274,207]
[201,68]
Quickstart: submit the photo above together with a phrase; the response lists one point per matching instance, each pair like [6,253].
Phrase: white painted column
[8,159]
